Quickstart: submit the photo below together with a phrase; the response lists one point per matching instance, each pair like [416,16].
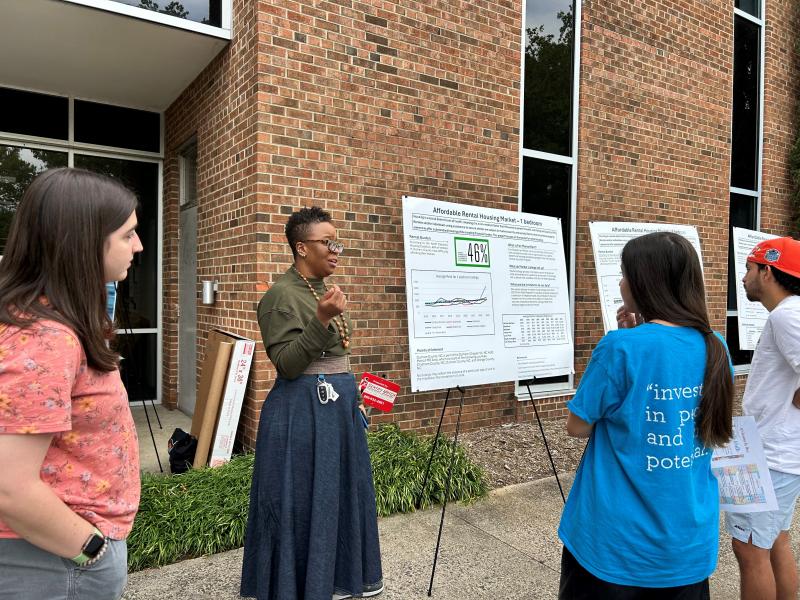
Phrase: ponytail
[714,424]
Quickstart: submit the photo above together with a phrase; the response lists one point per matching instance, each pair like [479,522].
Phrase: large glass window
[201,11]
[549,152]
[106,125]
[118,128]
[549,27]
[18,167]
[752,7]
[547,192]
[743,214]
[745,186]
[746,104]
[137,295]
[31,113]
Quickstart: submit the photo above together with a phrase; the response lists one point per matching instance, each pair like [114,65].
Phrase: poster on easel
[487,295]
[608,239]
[752,316]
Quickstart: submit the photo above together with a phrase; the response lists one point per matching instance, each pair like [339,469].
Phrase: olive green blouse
[292,334]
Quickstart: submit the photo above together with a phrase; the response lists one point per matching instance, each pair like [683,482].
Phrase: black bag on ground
[181,447]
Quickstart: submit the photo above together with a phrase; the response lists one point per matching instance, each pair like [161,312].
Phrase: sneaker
[369,592]
[372,590]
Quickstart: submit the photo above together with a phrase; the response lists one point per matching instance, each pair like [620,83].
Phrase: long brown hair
[55,250]
[666,282]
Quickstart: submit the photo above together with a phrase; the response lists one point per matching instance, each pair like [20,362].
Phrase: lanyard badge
[325,390]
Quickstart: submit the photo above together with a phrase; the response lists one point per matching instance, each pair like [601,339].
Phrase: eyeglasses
[333,245]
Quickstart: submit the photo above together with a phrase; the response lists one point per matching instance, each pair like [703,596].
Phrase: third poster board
[752,316]
[608,239]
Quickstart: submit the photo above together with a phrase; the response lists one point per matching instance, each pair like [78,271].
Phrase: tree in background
[174,8]
[18,167]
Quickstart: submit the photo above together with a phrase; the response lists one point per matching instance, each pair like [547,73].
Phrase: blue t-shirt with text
[644,507]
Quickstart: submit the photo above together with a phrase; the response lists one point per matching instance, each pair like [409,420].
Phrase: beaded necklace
[339,321]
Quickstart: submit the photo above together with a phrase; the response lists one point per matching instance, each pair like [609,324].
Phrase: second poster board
[608,239]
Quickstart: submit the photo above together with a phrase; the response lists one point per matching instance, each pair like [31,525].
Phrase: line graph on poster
[452,303]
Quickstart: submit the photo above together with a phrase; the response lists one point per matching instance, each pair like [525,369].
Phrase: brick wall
[780,106]
[219,111]
[350,105]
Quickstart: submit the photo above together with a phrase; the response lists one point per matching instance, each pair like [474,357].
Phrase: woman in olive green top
[312,529]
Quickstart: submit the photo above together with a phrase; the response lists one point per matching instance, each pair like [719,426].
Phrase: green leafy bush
[399,461]
[205,511]
[192,514]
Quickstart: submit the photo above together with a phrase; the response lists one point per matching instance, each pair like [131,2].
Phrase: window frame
[71,148]
[743,369]
[567,388]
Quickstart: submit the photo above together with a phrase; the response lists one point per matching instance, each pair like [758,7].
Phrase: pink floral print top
[93,460]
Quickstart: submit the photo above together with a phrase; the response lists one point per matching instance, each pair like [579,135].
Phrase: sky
[545,12]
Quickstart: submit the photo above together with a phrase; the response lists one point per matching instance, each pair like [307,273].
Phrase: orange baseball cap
[782,253]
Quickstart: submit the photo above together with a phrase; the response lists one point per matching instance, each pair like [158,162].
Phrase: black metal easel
[546,445]
[449,474]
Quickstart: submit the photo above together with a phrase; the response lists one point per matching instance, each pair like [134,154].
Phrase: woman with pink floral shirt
[69,483]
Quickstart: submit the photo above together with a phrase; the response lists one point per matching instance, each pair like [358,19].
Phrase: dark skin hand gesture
[332,304]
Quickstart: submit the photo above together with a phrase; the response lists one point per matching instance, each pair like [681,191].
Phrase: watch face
[93,546]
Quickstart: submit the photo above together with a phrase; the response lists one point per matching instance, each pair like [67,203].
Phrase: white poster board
[741,470]
[752,315]
[608,239]
[487,295]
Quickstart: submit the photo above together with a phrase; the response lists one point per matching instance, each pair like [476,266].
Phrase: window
[208,12]
[752,7]
[18,167]
[30,113]
[106,125]
[47,131]
[549,138]
[746,124]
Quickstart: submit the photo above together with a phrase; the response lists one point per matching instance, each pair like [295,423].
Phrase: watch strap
[83,557]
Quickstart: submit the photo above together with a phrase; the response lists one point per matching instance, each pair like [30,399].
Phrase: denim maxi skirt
[312,530]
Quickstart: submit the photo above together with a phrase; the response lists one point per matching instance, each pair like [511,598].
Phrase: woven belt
[328,365]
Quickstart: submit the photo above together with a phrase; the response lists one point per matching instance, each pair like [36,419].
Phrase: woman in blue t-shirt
[642,518]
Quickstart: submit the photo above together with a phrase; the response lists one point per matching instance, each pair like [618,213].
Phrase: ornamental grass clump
[199,512]
[204,511]
[399,461]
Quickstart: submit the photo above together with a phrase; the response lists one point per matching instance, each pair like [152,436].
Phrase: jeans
[30,573]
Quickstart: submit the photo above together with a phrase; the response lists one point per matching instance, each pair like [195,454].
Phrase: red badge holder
[378,392]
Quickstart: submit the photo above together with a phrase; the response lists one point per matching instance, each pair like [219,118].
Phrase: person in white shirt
[772,396]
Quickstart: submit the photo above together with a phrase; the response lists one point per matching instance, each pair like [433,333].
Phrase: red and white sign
[378,392]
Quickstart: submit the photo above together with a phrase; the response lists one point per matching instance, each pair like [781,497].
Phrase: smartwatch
[91,548]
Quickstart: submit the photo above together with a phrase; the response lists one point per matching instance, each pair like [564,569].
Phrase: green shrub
[205,511]
[192,514]
[399,461]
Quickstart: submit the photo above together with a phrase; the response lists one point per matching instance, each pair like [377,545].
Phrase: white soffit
[68,49]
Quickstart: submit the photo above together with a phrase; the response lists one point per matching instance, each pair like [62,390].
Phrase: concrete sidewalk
[503,547]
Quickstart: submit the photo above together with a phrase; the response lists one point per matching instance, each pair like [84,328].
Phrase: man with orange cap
[772,395]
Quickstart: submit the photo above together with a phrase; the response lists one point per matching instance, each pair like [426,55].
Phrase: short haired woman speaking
[312,532]
[642,518]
